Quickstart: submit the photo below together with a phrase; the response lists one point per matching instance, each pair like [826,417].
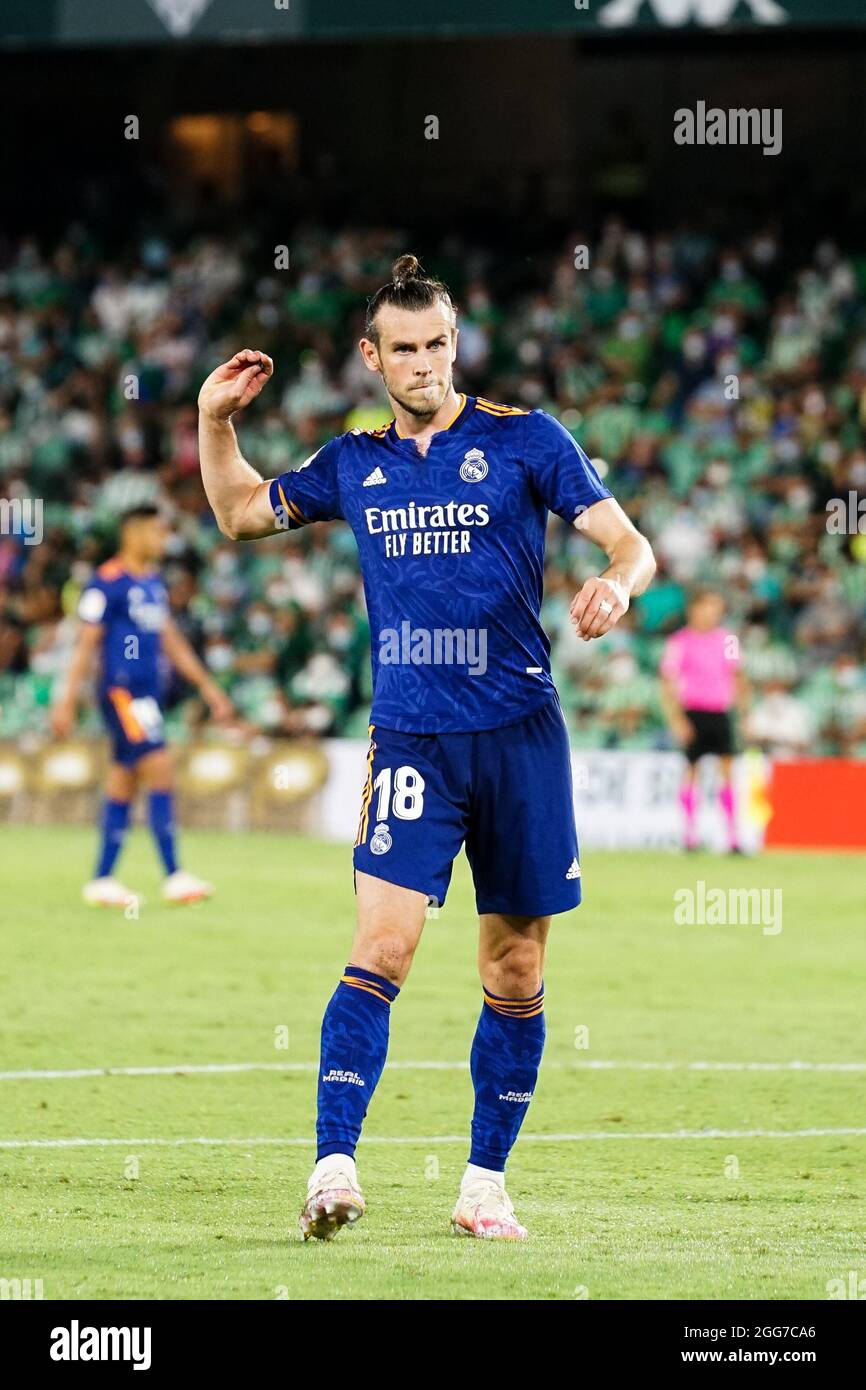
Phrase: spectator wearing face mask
[780,724]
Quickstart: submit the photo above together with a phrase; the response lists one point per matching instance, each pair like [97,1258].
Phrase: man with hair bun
[468,747]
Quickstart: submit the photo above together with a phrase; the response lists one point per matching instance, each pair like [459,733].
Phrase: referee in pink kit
[701,684]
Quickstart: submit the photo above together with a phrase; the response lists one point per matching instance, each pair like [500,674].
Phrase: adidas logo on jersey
[574,870]
[375,478]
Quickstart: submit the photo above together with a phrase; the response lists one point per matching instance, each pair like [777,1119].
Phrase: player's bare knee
[386,952]
[157,770]
[514,971]
[120,783]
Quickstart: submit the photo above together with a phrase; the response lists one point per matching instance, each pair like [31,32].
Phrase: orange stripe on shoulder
[496,408]
[111,569]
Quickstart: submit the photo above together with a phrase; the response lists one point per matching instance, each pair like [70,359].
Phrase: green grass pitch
[611,1214]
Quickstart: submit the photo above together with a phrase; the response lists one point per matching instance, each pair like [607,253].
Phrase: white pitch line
[427,1139]
[180,1069]
[714,1066]
[220,1068]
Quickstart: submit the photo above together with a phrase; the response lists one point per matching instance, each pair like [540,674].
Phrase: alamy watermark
[851,1286]
[437,646]
[847,516]
[16,1289]
[77,1343]
[22,516]
[721,907]
[737,126]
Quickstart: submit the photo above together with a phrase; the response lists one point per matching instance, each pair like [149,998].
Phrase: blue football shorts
[506,794]
[134,725]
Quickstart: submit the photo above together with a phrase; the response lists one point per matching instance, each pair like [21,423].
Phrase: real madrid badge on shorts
[380,841]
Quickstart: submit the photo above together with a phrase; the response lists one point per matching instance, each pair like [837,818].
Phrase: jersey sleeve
[560,471]
[309,493]
[93,603]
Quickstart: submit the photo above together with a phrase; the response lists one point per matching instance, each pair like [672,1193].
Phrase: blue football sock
[115,823]
[161,812]
[504,1062]
[354,1047]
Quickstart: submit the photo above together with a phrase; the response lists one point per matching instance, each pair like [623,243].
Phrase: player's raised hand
[598,607]
[235,383]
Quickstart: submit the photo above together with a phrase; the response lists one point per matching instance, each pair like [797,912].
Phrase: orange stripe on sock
[516,1008]
[530,998]
[365,985]
[509,1013]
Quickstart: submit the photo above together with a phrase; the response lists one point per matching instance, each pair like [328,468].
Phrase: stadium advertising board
[233,21]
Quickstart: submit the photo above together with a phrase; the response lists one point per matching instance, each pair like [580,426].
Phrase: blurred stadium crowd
[722,387]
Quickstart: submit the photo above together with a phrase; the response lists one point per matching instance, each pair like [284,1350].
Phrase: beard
[422,409]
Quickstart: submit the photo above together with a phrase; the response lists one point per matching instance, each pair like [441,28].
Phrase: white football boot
[108,892]
[333,1198]
[181,887]
[484,1209]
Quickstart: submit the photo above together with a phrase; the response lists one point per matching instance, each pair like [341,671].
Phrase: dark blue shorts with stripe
[505,794]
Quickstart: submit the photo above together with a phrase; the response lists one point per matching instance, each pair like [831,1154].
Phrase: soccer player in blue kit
[448,505]
[126,633]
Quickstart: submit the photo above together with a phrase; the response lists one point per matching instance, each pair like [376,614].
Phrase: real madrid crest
[474,466]
[380,841]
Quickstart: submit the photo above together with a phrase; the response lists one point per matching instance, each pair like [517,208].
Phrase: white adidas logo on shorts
[574,870]
[375,478]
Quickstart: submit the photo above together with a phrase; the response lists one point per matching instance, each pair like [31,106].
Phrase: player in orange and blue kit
[126,630]
[448,506]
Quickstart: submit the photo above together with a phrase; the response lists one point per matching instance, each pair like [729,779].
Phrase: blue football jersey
[451,547]
[133,610]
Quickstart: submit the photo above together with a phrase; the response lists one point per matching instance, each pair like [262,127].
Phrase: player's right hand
[62,720]
[234,384]
[219,704]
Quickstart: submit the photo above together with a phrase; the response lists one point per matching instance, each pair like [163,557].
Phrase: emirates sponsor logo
[413,518]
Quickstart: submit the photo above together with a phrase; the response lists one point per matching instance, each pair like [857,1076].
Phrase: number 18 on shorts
[506,794]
